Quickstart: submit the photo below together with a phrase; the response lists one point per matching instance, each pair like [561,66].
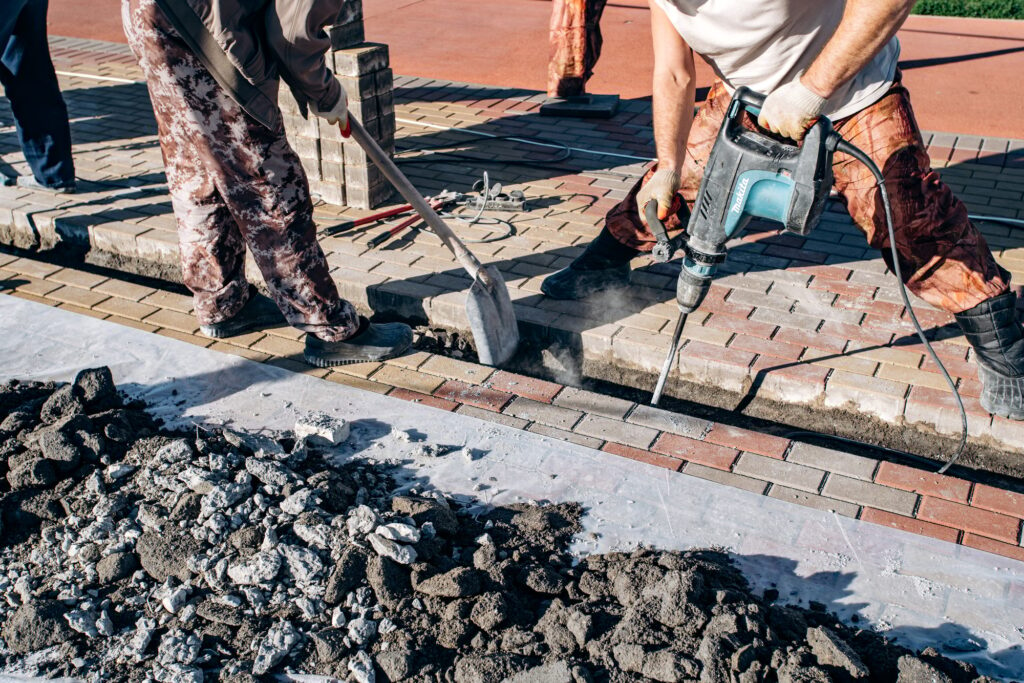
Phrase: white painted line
[113,79]
[528,142]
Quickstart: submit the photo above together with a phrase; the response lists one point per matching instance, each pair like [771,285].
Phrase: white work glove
[662,188]
[791,109]
[336,115]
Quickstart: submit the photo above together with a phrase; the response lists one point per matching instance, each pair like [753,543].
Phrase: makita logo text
[741,192]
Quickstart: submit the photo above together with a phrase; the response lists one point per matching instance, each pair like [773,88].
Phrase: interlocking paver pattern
[805,319]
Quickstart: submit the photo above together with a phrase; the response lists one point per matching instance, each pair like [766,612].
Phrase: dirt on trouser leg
[234,184]
[220,555]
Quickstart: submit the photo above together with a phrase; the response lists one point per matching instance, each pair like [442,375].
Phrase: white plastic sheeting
[919,590]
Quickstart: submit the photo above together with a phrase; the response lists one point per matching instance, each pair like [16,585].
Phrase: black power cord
[859,155]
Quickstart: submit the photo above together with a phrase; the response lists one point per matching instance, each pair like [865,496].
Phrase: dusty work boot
[996,334]
[372,342]
[257,313]
[603,265]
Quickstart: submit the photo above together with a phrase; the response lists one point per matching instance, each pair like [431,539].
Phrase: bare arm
[674,90]
[866,27]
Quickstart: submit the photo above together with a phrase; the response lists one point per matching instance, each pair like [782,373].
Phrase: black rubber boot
[602,266]
[258,312]
[996,334]
[373,342]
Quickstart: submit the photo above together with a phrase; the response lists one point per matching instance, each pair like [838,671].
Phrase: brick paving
[814,320]
[919,501]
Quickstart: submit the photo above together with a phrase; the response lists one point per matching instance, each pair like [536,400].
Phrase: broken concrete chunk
[316,534]
[178,647]
[914,670]
[116,566]
[83,622]
[831,651]
[320,427]
[362,520]
[361,630]
[268,472]
[298,502]
[278,642]
[259,569]
[63,402]
[402,554]
[178,450]
[119,471]
[197,480]
[136,645]
[173,598]
[396,531]
[361,667]
[303,564]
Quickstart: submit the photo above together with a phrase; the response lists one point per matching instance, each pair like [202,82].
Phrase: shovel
[488,305]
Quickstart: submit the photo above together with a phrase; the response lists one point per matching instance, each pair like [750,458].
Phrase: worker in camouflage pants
[235,182]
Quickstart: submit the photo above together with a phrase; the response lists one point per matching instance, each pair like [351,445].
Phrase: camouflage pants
[233,183]
[575,37]
[943,258]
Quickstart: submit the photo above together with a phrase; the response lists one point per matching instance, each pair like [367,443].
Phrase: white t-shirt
[763,44]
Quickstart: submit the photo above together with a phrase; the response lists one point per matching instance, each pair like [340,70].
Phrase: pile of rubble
[130,554]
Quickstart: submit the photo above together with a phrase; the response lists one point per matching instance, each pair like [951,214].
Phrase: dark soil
[130,553]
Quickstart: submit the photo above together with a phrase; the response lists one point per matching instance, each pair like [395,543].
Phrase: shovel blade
[492,319]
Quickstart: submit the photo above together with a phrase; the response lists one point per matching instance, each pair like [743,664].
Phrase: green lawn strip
[988,9]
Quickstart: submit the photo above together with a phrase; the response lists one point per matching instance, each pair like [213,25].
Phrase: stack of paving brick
[339,171]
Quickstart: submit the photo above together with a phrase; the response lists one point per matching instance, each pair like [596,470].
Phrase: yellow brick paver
[38,269]
[77,278]
[35,286]
[77,297]
[124,290]
[279,346]
[408,379]
[898,373]
[126,308]
[169,300]
[361,370]
[357,382]
[453,368]
[171,319]
[71,308]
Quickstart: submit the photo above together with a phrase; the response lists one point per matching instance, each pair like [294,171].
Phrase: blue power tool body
[748,175]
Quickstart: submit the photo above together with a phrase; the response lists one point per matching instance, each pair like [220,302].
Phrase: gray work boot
[996,334]
[373,342]
[604,265]
[258,312]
